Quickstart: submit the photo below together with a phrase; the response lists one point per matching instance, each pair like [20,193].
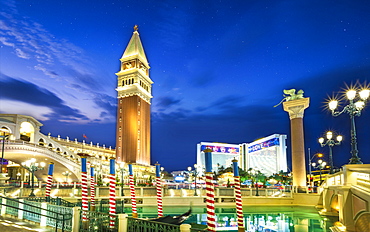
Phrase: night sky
[218,68]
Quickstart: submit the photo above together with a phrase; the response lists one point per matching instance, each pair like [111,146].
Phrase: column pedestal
[296,108]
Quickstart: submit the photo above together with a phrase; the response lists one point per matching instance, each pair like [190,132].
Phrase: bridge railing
[351,175]
[10,144]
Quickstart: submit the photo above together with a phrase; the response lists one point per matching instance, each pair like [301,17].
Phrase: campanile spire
[134,88]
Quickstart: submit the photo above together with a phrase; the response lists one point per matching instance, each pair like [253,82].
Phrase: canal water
[257,218]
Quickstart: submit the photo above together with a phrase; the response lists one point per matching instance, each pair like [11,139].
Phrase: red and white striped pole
[132,191]
[92,189]
[84,195]
[112,194]
[50,180]
[238,197]
[159,189]
[211,217]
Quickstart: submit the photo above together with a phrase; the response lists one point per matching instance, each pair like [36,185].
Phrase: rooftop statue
[290,95]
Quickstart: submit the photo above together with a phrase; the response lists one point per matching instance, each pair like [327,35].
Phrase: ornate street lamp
[195,174]
[122,170]
[66,174]
[310,161]
[357,100]
[254,174]
[32,166]
[5,134]
[330,142]
[321,165]
[162,173]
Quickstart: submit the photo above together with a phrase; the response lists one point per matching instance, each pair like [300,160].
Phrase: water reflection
[256,218]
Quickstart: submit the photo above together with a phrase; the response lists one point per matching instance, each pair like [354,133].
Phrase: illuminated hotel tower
[134,89]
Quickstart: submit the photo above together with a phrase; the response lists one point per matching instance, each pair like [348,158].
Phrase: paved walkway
[10,224]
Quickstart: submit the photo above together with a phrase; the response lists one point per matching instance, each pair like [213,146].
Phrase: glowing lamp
[333,105]
[321,140]
[364,94]
[351,94]
[329,135]
[339,138]
[359,105]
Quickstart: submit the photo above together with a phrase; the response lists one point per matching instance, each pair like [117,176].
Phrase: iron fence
[33,211]
[98,222]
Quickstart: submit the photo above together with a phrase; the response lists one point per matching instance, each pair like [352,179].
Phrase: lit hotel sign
[221,149]
[263,145]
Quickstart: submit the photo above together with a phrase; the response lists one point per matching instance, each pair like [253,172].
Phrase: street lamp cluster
[330,142]
[66,174]
[5,135]
[122,170]
[310,164]
[357,101]
[32,166]
[320,165]
[255,174]
[195,174]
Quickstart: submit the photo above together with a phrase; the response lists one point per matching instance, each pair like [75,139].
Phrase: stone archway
[27,132]
[363,222]
[334,203]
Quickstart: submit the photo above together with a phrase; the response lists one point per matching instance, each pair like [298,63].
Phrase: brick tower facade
[134,89]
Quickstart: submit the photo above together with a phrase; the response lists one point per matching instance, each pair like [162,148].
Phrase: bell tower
[134,88]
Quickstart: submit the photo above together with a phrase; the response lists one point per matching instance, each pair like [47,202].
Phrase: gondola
[174,220]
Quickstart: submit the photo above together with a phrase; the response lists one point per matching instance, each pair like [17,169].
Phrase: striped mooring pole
[112,193]
[92,188]
[132,191]
[159,189]
[50,180]
[84,195]
[238,197]
[210,190]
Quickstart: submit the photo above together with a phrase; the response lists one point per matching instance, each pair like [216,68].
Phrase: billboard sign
[221,149]
[263,145]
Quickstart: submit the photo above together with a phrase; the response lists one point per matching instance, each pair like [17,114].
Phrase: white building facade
[267,154]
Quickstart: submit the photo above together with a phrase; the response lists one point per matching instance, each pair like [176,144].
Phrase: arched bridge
[22,140]
[347,195]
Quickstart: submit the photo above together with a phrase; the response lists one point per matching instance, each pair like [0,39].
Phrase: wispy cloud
[30,40]
[167,101]
[32,94]
[55,58]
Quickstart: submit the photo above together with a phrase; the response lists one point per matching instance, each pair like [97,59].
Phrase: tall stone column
[296,108]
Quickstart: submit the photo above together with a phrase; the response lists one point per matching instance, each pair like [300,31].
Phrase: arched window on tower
[41,142]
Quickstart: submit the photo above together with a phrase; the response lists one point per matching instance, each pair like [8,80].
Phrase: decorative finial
[136,27]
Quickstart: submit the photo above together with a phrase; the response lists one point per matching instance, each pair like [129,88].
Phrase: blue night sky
[218,68]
